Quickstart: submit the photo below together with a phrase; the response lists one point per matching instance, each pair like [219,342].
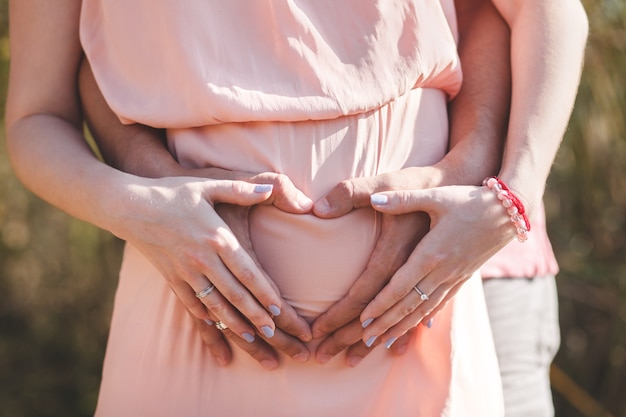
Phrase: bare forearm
[43,119]
[478,115]
[67,174]
[135,149]
[548,41]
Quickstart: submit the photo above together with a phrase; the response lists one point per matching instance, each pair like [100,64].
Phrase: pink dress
[322,91]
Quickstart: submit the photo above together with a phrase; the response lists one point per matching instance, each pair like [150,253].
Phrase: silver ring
[203,293]
[423,295]
[221,326]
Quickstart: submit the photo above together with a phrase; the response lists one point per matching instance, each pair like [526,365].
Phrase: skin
[478,115]
[553,33]
[43,124]
[171,220]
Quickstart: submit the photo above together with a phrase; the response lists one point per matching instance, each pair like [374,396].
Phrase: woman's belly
[313,261]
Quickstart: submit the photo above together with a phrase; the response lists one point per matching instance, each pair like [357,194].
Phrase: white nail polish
[370,341]
[274,310]
[367,323]
[267,331]
[390,341]
[263,188]
[379,199]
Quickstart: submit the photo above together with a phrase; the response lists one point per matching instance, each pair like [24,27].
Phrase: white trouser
[524,319]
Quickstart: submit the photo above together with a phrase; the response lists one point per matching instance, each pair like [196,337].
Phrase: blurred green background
[57,275]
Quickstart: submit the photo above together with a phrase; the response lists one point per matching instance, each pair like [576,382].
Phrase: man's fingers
[286,196]
[338,341]
[347,195]
[290,322]
[214,340]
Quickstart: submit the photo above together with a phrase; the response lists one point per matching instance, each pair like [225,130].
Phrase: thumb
[241,193]
[348,195]
[406,201]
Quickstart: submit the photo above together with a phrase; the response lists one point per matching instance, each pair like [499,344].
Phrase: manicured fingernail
[354,360]
[301,357]
[269,364]
[267,331]
[430,323]
[323,358]
[263,188]
[322,206]
[379,199]
[367,323]
[209,322]
[274,310]
[370,341]
[248,337]
[390,341]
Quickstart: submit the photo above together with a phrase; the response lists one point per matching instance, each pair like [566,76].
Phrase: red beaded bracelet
[512,204]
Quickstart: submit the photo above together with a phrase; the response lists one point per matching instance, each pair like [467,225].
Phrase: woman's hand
[141,150]
[291,329]
[173,223]
[468,226]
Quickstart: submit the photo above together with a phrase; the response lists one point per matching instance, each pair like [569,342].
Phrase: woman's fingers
[410,313]
[286,317]
[467,227]
[348,195]
[355,192]
[258,349]
[236,275]
[235,192]
[285,195]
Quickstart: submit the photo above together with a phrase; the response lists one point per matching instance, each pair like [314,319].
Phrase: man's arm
[141,150]
[478,117]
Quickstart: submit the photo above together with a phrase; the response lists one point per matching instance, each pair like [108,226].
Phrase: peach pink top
[320,90]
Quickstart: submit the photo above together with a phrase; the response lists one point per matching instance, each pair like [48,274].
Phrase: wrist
[513,205]
[529,190]
[455,171]
[122,195]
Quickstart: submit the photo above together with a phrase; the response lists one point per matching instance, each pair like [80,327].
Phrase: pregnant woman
[319,91]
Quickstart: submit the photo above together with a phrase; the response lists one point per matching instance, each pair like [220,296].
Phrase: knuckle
[253,349]
[287,347]
[246,276]
[218,308]
[256,316]
[236,298]
[397,295]
[345,188]
[217,241]
[198,310]
[407,309]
